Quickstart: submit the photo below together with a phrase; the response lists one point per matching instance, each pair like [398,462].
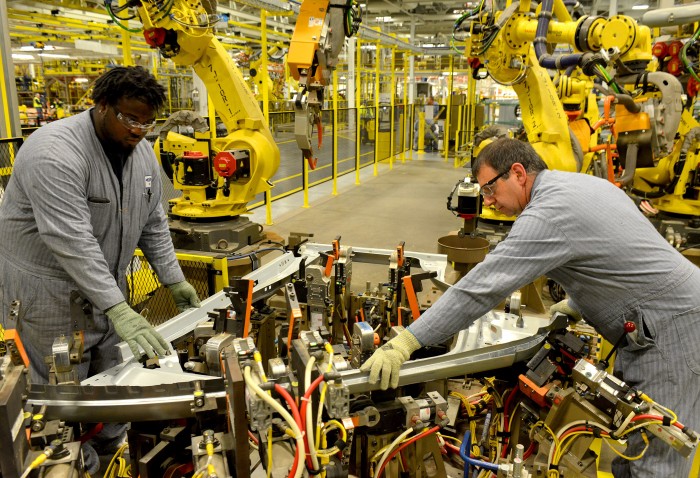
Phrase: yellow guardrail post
[392,89]
[305,181]
[406,116]
[334,159]
[376,107]
[446,134]
[421,132]
[265,101]
[458,133]
[358,107]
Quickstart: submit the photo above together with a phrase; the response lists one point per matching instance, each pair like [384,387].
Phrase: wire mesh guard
[8,152]
[152,299]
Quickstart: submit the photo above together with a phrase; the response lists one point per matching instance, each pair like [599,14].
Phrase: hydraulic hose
[577,8]
[298,435]
[298,459]
[630,164]
[468,460]
[546,60]
[628,102]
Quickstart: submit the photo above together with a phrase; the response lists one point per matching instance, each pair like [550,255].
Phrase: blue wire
[464,452]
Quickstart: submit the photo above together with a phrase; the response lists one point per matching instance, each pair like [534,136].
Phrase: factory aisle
[406,203]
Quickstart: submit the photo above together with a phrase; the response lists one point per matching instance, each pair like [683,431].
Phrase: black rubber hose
[546,60]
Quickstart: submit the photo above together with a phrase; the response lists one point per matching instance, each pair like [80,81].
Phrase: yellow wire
[628,458]
[117,455]
[647,398]
[449,438]
[569,439]
[383,449]
[269,452]
[640,425]
[317,441]
[335,424]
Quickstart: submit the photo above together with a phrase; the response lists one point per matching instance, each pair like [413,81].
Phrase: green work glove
[135,330]
[388,358]
[563,307]
[185,295]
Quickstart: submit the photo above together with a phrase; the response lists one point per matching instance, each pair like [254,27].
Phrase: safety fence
[350,139]
[208,274]
[8,151]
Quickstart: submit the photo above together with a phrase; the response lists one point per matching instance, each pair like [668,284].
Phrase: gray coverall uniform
[65,225]
[590,237]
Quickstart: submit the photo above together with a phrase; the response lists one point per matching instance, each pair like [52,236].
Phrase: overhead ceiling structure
[432,21]
[56,29]
[82,29]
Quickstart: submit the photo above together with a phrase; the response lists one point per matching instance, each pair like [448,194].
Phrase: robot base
[226,236]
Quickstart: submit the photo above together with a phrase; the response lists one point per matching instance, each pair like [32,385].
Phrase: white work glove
[133,328]
[387,360]
[563,307]
[184,295]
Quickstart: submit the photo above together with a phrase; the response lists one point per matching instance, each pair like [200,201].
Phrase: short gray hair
[504,152]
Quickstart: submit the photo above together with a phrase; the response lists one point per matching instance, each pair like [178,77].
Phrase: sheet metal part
[459,361]
[123,404]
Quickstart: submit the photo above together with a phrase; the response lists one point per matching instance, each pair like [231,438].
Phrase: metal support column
[358,104]
[448,117]
[9,107]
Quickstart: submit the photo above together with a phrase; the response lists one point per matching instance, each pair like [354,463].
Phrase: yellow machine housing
[212,202]
[318,39]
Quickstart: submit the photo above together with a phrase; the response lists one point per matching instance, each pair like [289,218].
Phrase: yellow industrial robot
[274,83]
[319,36]
[513,47]
[217,176]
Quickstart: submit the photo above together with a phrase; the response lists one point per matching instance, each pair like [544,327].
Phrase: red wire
[297,418]
[253,437]
[304,403]
[506,416]
[452,448]
[403,461]
[529,451]
[92,432]
[415,438]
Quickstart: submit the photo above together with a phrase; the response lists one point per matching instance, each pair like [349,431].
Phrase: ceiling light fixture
[640,7]
[34,48]
[52,55]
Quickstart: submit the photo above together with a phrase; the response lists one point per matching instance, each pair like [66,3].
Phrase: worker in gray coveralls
[84,193]
[589,236]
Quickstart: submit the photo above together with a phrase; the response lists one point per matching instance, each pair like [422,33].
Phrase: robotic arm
[218,182]
[317,41]
[512,45]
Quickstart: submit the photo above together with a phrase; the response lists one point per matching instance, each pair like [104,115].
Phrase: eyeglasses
[131,124]
[487,189]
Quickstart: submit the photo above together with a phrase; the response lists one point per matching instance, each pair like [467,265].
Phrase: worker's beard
[112,145]
[119,147]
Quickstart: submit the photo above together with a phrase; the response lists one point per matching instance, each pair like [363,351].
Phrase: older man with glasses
[590,237]
[84,193]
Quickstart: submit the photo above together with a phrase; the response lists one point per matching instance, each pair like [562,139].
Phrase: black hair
[504,152]
[128,82]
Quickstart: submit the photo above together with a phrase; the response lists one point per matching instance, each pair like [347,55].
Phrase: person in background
[430,110]
[39,107]
[590,237]
[84,193]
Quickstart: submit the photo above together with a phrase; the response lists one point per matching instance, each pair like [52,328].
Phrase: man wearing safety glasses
[589,236]
[84,193]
